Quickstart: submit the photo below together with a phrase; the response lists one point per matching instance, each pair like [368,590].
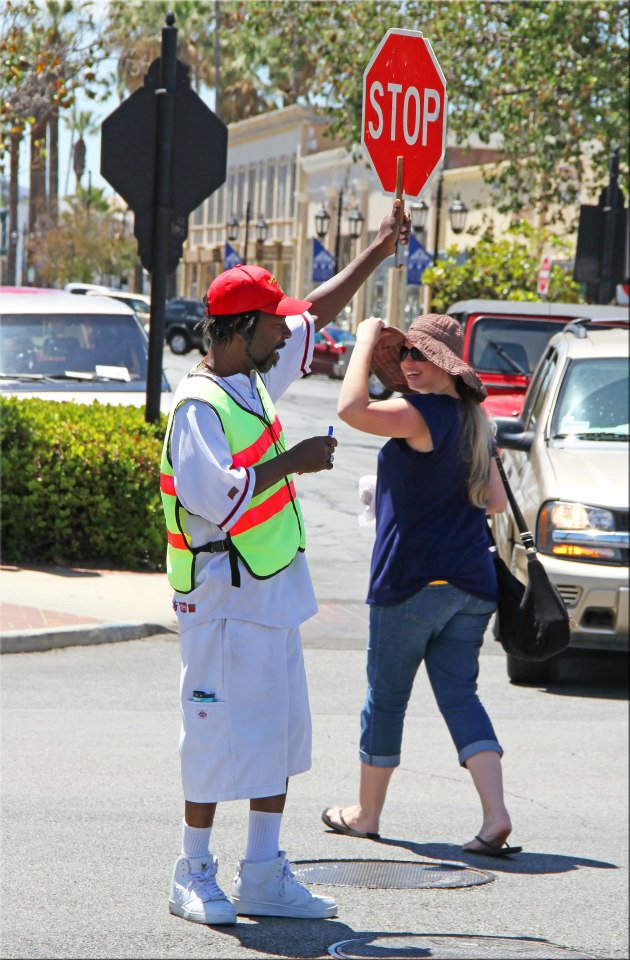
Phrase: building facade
[282,168]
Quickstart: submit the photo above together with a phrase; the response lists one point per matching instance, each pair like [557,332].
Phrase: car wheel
[179,342]
[377,390]
[531,671]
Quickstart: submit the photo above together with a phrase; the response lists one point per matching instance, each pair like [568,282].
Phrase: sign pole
[165,102]
[399,196]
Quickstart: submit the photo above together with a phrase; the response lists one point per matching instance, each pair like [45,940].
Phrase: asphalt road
[92,805]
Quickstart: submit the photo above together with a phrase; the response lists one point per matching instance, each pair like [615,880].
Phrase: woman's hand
[369,330]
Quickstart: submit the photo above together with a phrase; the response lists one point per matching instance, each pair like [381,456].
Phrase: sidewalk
[46,607]
[42,608]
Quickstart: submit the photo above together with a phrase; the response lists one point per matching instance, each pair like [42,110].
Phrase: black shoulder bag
[532,621]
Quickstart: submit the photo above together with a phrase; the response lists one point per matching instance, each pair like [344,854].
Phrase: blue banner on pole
[231,258]
[323,263]
[417,262]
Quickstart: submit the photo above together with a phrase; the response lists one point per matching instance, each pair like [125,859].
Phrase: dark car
[181,329]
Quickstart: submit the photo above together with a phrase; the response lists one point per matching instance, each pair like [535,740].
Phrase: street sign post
[404,113]
[544,271]
[164,152]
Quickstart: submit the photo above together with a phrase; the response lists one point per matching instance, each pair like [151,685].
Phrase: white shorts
[258,731]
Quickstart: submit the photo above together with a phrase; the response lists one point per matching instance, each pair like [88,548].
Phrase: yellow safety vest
[269,533]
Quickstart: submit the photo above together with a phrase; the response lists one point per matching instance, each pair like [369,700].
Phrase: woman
[432,583]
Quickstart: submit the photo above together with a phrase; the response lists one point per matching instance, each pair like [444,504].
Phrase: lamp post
[355,221]
[232,227]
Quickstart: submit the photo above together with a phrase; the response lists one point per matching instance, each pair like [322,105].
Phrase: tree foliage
[47,52]
[542,79]
[504,269]
[87,245]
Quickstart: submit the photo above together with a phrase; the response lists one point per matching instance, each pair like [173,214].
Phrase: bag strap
[526,535]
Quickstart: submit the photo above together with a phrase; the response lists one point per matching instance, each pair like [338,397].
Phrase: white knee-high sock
[195,841]
[263,836]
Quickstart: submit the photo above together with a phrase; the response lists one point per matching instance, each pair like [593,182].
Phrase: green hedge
[80,483]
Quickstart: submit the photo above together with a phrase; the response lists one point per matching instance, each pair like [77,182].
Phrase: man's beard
[264,365]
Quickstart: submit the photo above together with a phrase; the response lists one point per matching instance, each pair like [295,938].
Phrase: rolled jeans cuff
[372,761]
[478,747]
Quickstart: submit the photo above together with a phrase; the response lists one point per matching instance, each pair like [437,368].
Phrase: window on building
[271,177]
[240,191]
[198,215]
[282,188]
[230,198]
[293,186]
[220,204]
[251,187]
[260,199]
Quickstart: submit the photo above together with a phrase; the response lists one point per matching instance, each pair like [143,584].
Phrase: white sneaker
[195,893]
[270,889]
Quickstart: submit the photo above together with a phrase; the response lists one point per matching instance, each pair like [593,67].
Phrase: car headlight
[580,532]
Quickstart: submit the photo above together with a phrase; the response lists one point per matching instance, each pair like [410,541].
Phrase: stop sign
[404,111]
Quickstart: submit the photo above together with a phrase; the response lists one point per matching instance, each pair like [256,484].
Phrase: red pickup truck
[504,340]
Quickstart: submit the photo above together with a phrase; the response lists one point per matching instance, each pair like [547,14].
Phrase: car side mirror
[512,435]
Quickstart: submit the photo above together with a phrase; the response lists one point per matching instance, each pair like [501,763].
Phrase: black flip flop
[344,828]
[492,850]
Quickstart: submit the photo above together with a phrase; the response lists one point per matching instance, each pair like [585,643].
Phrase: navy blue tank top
[426,528]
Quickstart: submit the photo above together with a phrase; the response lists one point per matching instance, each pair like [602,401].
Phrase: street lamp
[356,223]
[322,219]
[232,226]
[261,229]
[458,211]
[418,212]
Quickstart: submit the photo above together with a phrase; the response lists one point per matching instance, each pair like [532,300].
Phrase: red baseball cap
[246,287]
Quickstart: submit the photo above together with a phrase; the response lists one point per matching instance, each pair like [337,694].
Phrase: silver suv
[566,457]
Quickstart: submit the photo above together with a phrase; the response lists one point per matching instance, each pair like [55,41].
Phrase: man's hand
[395,227]
[314,454]
[308,456]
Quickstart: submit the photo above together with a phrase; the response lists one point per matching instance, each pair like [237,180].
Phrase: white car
[566,457]
[68,347]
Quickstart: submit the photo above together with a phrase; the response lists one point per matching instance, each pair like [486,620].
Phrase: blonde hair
[477,441]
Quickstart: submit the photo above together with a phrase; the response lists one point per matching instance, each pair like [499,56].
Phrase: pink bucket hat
[439,337]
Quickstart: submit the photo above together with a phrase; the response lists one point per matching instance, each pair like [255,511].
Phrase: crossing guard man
[235,559]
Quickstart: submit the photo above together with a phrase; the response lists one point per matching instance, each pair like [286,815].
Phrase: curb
[31,641]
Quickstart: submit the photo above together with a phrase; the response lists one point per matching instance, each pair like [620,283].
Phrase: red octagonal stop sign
[404,111]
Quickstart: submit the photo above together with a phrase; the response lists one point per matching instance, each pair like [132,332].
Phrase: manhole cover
[388,874]
[443,946]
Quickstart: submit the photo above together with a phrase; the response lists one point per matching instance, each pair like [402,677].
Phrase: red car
[504,340]
[331,351]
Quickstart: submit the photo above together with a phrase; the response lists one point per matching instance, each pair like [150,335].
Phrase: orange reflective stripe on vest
[256,451]
[264,511]
[167,484]
[177,540]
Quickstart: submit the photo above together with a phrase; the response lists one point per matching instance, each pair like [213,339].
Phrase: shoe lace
[205,885]
[287,877]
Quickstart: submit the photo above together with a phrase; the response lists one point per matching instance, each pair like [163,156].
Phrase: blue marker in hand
[330,431]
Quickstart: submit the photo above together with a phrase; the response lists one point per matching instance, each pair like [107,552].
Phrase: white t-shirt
[216,495]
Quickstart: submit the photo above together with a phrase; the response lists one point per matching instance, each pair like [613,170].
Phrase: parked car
[139,303]
[65,347]
[504,340]
[182,331]
[566,456]
[331,351]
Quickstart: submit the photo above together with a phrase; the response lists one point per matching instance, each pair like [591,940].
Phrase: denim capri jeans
[443,626]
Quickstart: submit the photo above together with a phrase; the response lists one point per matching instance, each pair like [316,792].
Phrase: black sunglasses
[412,352]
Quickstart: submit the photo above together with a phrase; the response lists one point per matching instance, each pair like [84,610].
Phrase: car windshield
[593,400]
[58,345]
[500,345]
[339,335]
